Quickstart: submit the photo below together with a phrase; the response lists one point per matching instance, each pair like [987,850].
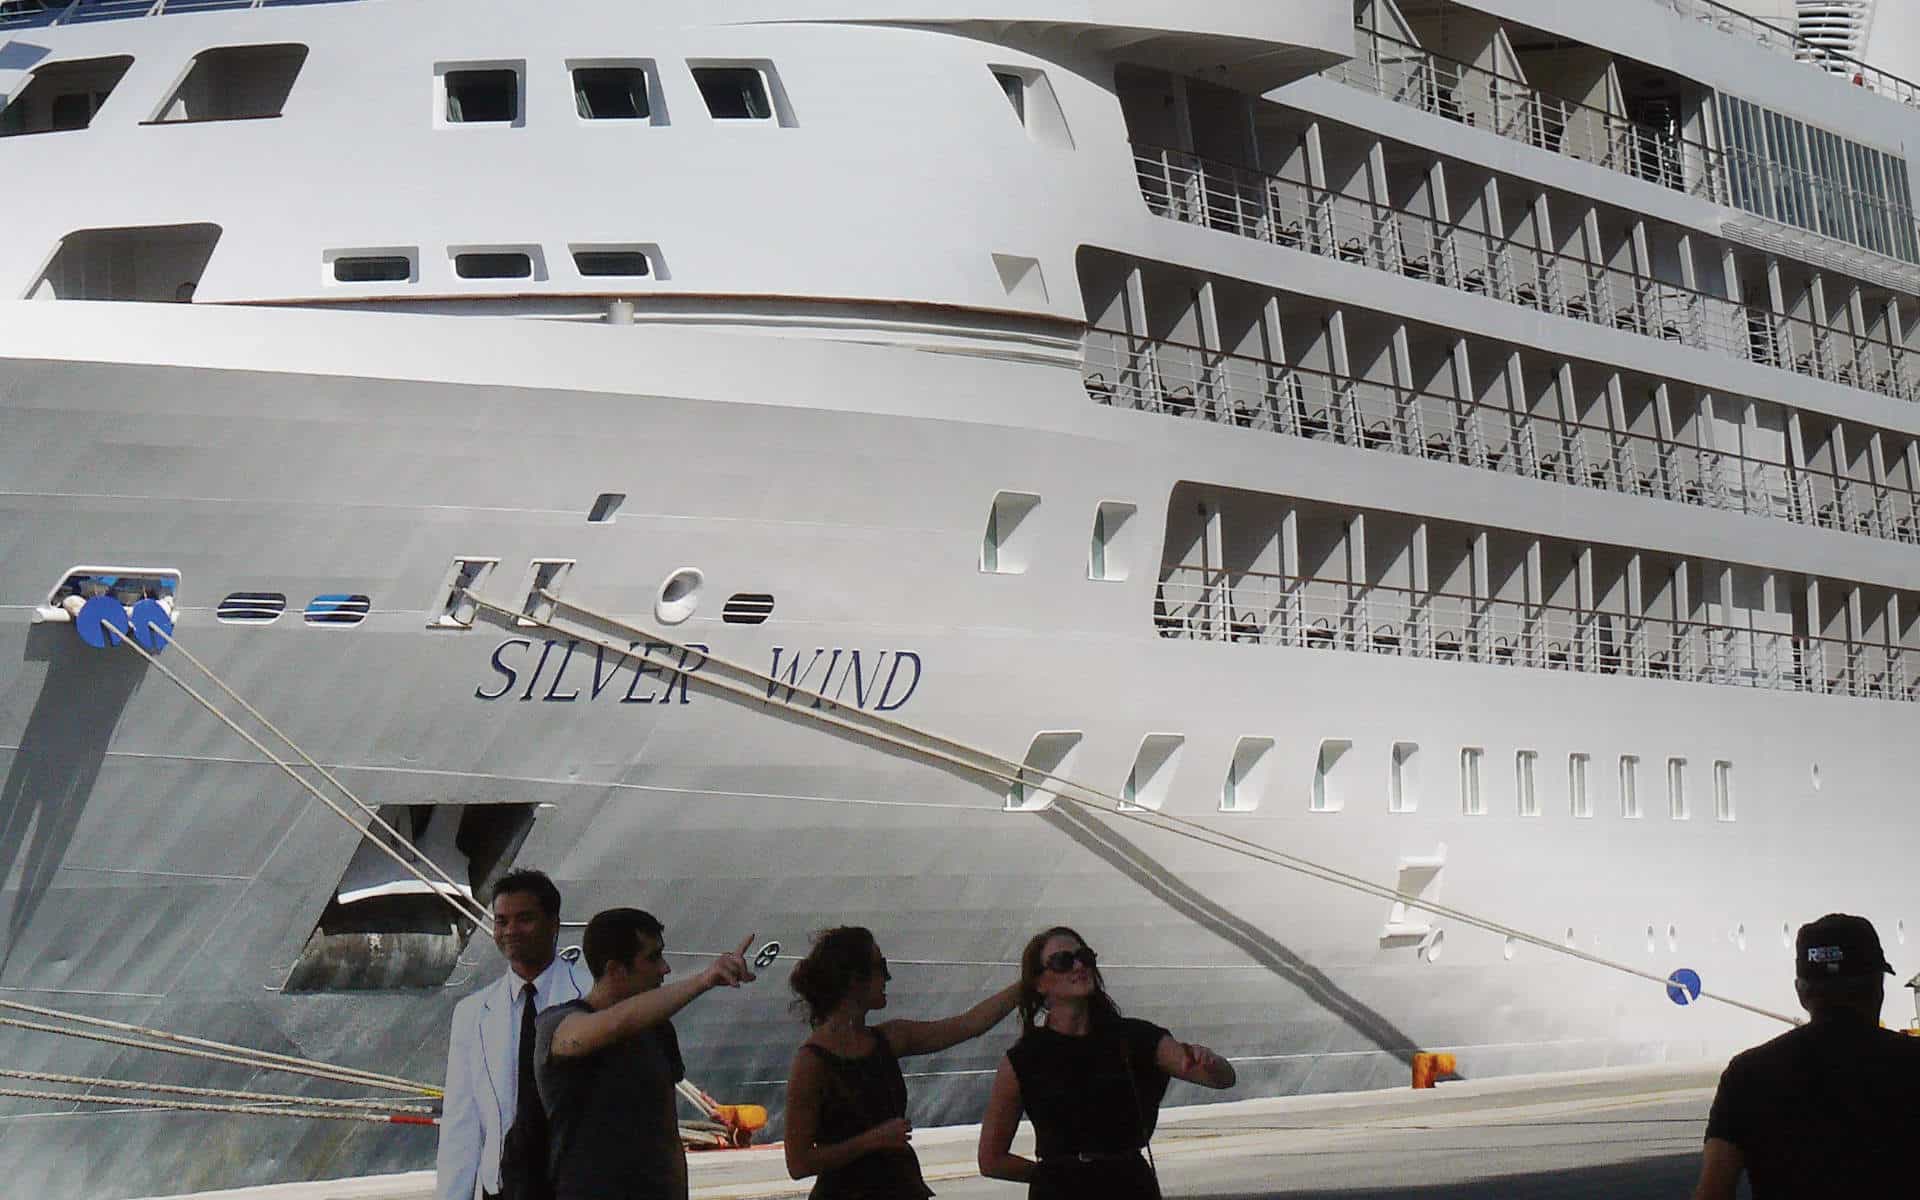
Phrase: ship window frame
[1579,797]
[1679,806]
[1526,782]
[444,101]
[532,255]
[330,261]
[647,254]
[1630,787]
[637,71]
[51,75]
[772,92]
[273,55]
[1723,806]
[1473,798]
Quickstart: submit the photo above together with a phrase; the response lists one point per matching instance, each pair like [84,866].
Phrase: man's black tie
[530,1111]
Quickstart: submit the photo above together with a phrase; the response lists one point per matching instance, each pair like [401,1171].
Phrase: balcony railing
[1199,191]
[1514,109]
[1184,380]
[1258,608]
[16,14]
[1740,24]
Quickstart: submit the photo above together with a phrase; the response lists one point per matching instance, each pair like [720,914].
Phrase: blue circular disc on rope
[147,617]
[99,619]
[1683,986]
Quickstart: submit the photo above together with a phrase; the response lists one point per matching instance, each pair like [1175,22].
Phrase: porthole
[1786,936]
[1740,936]
[1900,932]
[1569,940]
[338,609]
[1650,939]
[1673,939]
[679,596]
[747,608]
[1816,777]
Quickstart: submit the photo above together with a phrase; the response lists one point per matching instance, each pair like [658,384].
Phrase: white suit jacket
[482,1078]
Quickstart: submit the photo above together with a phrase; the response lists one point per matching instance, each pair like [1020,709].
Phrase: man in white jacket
[485,1060]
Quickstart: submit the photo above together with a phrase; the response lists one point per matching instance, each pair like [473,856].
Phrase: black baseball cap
[1839,946]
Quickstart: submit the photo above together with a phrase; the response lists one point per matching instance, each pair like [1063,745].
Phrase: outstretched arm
[997,1159]
[930,1037]
[583,1033]
[807,1157]
[1194,1063]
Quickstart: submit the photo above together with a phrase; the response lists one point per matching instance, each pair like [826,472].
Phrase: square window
[734,93]
[373,268]
[611,94]
[488,95]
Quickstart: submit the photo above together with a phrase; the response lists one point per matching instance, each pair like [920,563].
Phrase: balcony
[1411,75]
[1257,608]
[1198,191]
[1189,381]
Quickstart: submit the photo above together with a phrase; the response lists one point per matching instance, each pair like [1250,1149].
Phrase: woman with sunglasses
[1090,1080]
[846,1100]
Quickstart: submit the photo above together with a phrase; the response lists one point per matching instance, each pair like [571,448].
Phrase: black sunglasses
[1061,961]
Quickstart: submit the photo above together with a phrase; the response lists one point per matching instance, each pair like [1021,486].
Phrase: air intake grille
[252,608]
[338,610]
[747,608]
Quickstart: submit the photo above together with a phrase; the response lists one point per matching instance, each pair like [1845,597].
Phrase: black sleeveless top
[858,1094]
[1098,1094]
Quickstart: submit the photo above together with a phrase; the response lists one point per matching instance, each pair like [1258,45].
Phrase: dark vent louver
[747,608]
[252,608]
[338,609]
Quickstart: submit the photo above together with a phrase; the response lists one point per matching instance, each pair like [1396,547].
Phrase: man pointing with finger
[606,1064]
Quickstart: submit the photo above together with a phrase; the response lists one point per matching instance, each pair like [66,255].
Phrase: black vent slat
[747,608]
[252,608]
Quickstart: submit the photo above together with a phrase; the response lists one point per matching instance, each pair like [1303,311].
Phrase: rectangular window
[487,264]
[236,83]
[734,93]
[1629,786]
[1677,788]
[1577,785]
[484,95]
[62,96]
[601,263]
[1525,794]
[1471,801]
[373,268]
[1723,791]
[611,94]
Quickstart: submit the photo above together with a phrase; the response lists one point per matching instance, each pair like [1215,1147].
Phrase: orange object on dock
[1429,1069]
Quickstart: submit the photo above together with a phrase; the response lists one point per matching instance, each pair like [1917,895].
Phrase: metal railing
[1260,608]
[1232,199]
[18,14]
[1184,380]
[1740,24]
[1514,109]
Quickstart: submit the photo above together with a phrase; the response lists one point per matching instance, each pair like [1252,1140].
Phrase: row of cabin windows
[1249,778]
[496,95]
[401,266]
[232,83]
[229,83]
[1008,546]
[1579,799]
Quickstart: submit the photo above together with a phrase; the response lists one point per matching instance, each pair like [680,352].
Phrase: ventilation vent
[338,609]
[747,608]
[253,608]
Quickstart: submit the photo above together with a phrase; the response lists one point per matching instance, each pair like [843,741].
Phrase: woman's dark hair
[1100,1006]
[840,958]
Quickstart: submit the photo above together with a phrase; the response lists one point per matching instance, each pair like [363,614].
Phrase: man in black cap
[1830,1108]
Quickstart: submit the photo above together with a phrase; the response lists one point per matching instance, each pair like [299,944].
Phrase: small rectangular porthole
[614,89]
[384,264]
[612,261]
[742,90]
[498,262]
[480,93]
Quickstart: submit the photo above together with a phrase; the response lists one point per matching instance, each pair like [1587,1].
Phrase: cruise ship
[1400,522]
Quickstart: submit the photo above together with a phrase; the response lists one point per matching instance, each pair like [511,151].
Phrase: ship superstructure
[1468,447]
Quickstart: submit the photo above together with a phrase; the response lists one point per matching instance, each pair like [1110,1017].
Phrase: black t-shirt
[616,1129]
[1828,1109]
[1097,1094]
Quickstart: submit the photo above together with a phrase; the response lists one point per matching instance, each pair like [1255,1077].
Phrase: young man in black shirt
[607,1064]
[1832,1107]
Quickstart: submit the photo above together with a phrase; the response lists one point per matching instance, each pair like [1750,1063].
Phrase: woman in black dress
[1090,1080]
[846,1101]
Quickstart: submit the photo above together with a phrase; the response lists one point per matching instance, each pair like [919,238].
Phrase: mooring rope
[242,1056]
[361,1103]
[455,899]
[890,731]
[372,813]
[249,1110]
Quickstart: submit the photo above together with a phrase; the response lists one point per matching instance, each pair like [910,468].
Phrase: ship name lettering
[873,682]
[659,672]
